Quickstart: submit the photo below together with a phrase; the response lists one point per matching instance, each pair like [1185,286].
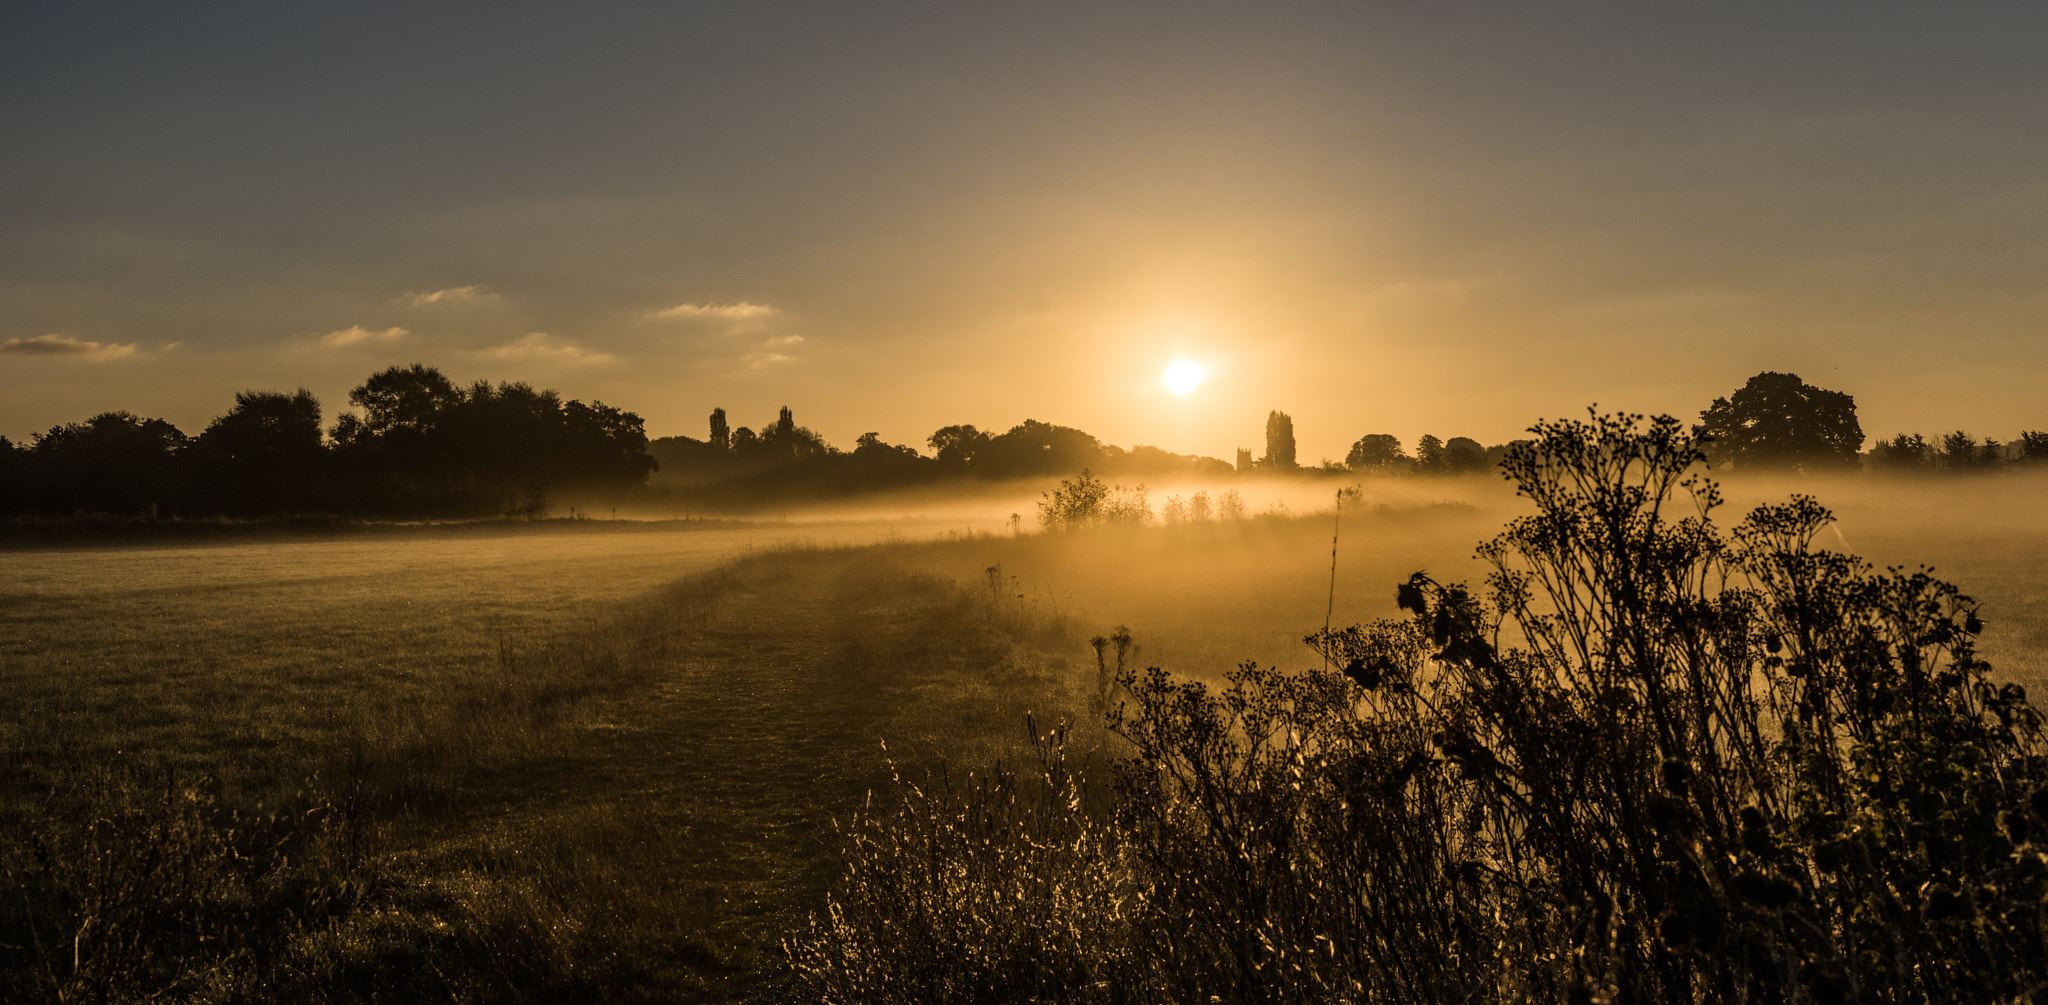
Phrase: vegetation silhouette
[265,455]
[417,445]
[1650,761]
[1777,422]
[756,470]
[1279,443]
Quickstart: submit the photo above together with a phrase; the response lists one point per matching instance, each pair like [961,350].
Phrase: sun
[1183,376]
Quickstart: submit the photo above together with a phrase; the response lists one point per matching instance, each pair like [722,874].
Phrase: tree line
[1777,422]
[734,466]
[418,445]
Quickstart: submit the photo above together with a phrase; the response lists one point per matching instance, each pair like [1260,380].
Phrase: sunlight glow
[1182,377]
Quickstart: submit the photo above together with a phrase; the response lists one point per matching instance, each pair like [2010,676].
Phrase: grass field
[568,764]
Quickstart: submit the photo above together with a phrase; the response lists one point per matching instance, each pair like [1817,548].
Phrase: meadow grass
[1649,759]
[541,766]
[343,773]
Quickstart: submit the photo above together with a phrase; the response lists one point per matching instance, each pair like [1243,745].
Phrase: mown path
[702,801]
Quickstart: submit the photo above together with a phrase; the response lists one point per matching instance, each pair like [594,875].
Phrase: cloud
[58,344]
[452,295]
[742,311]
[541,345]
[764,360]
[768,355]
[356,334]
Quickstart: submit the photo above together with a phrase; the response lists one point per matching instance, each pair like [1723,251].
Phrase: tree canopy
[1779,422]
[1279,442]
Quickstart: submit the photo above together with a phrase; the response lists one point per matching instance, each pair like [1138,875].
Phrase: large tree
[1779,422]
[264,455]
[1375,452]
[956,446]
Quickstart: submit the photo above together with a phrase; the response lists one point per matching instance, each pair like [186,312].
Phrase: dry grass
[516,767]
[379,793]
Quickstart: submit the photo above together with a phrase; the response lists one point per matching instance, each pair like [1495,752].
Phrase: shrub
[1648,762]
[1085,501]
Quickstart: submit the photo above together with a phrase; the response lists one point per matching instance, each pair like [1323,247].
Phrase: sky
[1429,218]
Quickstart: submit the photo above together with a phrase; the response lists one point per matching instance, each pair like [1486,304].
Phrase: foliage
[1381,453]
[1960,452]
[265,455]
[1464,455]
[422,445]
[1375,452]
[1956,453]
[1651,762]
[955,446]
[1903,453]
[2032,446]
[1279,443]
[1777,421]
[114,462]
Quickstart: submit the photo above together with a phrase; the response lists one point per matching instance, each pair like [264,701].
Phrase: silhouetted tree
[955,446]
[606,446]
[264,456]
[1038,448]
[787,441]
[2033,447]
[1429,456]
[114,462]
[1777,421]
[1375,452]
[744,440]
[1902,453]
[1279,442]
[389,453]
[1960,453]
[721,435]
[14,478]
[423,445]
[411,398]
[1464,455]
[1148,460]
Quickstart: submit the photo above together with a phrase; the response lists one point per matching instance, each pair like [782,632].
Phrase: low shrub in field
[1650,761]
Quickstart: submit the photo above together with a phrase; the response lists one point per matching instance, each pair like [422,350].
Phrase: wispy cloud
[59,344]
[541,345]
[357,334]
[452,295]
[742,311]
[764,360]
[776,351]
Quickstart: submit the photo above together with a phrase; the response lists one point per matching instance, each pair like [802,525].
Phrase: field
[604,761]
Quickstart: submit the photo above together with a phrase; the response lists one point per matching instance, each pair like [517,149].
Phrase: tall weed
[1650,761]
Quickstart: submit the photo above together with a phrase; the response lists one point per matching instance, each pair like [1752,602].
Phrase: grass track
[703,799]
[635,803]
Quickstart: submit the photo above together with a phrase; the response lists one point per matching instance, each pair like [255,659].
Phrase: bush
[1085,501]
[1649,762]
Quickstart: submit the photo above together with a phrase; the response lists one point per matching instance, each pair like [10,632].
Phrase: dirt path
[704,802]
